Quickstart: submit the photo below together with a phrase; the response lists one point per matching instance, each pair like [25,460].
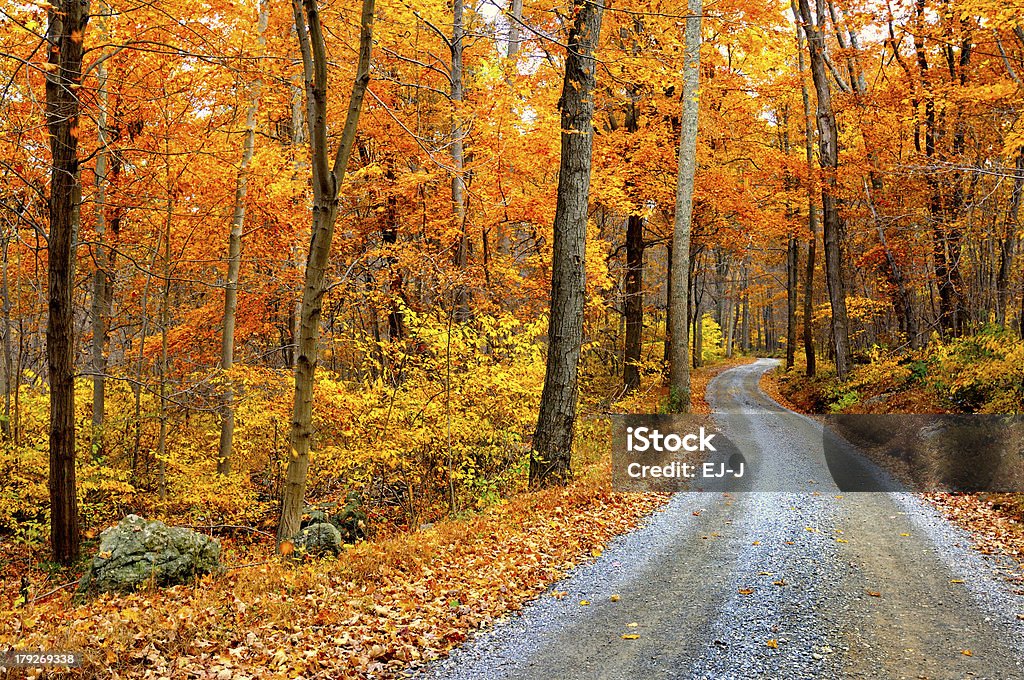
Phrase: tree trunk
[698,336]
[461,296]
[389,237]
[812,208]
[514,28]
[828,159]
[327,181]
[792,282]
[679,366]
[165,320]
[667,358]
[10,379]
[227,347]
[730,324]
[722,260]
[102,282]
[745,318]
[1008,243]
[164,316]
[634,302]
[550,461]
[67,20]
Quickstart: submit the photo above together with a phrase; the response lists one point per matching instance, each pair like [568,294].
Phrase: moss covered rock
[137,552]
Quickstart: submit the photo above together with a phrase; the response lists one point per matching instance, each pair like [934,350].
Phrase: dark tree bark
[633,292]
[745,313]
[667,357]
[10,383]
[792,254]
[389,237]
[327,179]
[812,207]
[634,302]
[550,462]
[65,32]
[828,159]
[792,282]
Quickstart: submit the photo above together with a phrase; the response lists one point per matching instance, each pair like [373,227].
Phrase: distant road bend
[769,584]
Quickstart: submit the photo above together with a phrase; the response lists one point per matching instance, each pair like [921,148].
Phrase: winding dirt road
[811,582]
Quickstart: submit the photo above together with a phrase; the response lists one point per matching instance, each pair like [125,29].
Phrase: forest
[262,262]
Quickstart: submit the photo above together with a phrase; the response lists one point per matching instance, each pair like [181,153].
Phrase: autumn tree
[828,158]
[65,35]
[552,440]
[458,148]
[679,365]
[327,180]
[102,287]
[227,427]
[810,362]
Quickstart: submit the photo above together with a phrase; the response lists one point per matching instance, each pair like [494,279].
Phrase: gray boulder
[319,539]
[137,551]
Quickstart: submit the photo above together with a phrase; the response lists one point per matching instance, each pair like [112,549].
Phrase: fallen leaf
[615,598]
[773,644]
[966,652]
[630,636]
[873,593]
[957,580]
[745,591]
[632,625]
[584,603]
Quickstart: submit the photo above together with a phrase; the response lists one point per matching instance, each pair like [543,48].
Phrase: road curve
[769,584]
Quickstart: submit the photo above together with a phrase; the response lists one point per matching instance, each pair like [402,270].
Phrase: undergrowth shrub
[981,373]
[437,422]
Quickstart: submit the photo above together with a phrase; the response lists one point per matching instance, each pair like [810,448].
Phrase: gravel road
[811,584]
